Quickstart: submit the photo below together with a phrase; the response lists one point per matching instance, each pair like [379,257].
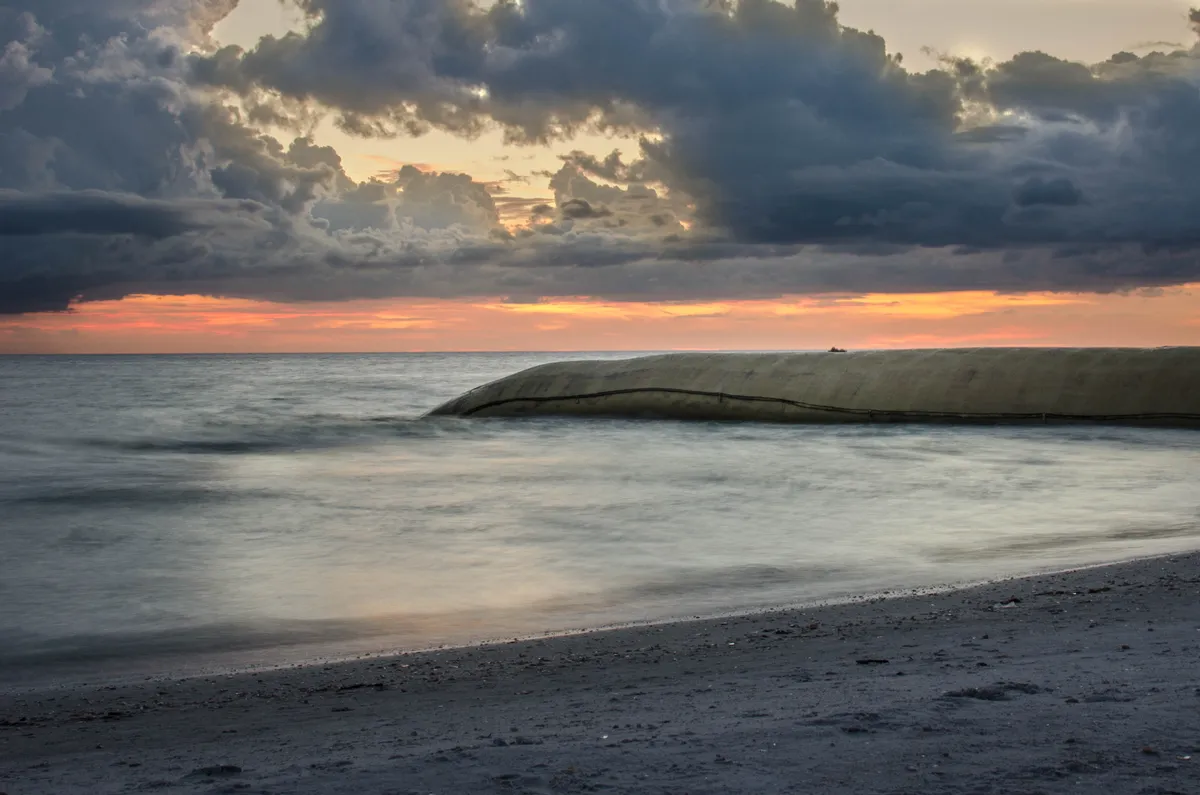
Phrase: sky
[371,175]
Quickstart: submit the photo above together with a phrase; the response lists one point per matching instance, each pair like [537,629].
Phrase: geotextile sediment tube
[1133,386]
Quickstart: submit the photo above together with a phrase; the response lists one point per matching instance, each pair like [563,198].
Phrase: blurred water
[270,505]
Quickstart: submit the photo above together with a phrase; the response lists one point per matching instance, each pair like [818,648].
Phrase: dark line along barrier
[881,413]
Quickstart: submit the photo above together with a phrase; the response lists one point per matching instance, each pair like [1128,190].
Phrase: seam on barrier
[870,413]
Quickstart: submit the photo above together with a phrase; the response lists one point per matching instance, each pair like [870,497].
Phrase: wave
[751,578]
[27,651]
[22,648]
[149,495]
[288,435]
[1068,541]
[263,432]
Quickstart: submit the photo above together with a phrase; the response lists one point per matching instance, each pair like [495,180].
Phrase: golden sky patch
[197,324]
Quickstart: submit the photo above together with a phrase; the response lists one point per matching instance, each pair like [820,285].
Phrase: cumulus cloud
[779,152]
[18,72]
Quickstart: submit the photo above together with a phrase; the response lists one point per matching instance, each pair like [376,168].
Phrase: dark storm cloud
[97,213]
[782,125]
[581,208]
[1059,191]
[780,152]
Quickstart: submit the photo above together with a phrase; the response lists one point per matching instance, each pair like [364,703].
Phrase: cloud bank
[780,153]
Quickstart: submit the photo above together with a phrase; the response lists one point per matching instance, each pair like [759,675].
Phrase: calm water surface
[161,509]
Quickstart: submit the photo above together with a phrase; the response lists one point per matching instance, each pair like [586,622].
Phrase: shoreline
[1019,685]
[383,646]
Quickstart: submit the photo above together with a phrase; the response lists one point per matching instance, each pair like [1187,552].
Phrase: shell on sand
[1158,386]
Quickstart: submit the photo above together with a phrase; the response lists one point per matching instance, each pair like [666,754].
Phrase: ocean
[166,515]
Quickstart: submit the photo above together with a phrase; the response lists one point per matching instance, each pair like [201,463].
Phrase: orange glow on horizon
[200,324]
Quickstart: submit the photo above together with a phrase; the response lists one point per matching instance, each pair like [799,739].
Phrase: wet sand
[1083,682]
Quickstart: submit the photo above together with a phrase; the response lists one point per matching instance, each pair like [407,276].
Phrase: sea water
[160,511]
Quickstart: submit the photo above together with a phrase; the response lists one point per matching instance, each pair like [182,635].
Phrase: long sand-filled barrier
[1134,386]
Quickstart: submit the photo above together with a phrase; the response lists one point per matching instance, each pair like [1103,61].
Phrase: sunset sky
[357,175]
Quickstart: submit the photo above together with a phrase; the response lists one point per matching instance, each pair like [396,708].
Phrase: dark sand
[1087,684]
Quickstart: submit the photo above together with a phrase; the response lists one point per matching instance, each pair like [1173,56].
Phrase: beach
[1078,681]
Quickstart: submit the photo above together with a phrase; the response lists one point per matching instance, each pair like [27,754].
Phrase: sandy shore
[1080,682]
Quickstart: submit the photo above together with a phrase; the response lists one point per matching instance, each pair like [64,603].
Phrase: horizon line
[570,351]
